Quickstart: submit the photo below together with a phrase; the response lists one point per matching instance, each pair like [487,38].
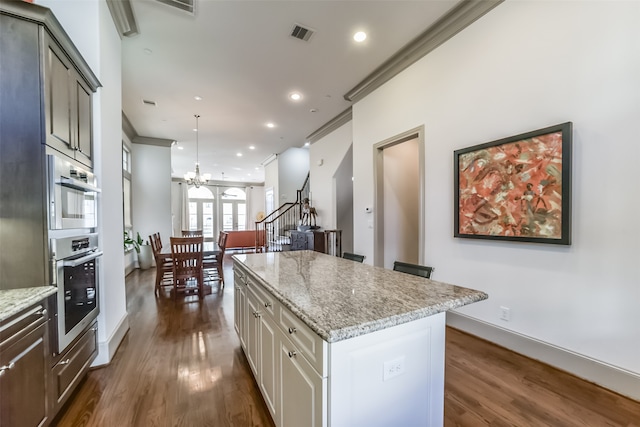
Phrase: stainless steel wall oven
[72,195]
[76,262]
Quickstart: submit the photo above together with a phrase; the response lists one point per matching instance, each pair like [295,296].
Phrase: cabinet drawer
[267,302]
[74,364]
[307,342]
[21,325]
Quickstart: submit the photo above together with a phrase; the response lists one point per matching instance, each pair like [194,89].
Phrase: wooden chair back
[353,257]
[191,233]
[186,255]
[415,269]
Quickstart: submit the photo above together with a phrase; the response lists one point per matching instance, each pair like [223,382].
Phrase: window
[126,189]
[234,209]
[201,211]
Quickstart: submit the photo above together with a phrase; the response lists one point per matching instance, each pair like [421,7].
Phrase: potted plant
[143,249]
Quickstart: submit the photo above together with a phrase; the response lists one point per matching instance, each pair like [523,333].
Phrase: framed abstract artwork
[516,188]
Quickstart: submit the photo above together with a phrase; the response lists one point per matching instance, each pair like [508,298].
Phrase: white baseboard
[106,349]
[611,377]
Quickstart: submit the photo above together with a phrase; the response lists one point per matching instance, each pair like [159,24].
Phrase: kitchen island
[332,342]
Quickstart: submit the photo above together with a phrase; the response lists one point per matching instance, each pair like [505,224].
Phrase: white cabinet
[304,391]
[288,360]
[392,376]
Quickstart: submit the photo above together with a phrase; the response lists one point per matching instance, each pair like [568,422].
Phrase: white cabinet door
[253,332]
[303,390]
[268,363]
[239,306]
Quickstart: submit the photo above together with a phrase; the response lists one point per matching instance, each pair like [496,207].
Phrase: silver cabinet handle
[292,330]
[293,353]
[6,367]
[65,362]
[41,312]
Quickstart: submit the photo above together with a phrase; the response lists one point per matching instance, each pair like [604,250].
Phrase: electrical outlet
[393,368]
[505,313]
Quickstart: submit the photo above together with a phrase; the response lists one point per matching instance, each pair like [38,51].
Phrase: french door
[234,215]
[201,217]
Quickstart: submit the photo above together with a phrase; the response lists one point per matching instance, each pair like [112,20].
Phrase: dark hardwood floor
[181,365]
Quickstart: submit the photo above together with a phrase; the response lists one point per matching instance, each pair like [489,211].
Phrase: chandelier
[194,178]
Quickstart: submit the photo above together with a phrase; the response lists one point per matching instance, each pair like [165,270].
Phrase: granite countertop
[341,299]
[13,301]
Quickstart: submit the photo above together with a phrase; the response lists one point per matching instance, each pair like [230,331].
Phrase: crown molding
[333,124]
[123,18]
[458,18]
[147,140]
[128,128]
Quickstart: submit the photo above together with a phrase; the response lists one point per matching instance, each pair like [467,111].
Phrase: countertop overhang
[341,299]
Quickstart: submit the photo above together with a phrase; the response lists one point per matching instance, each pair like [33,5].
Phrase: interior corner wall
[91,28]
[151,190]
[501,77]
[325,157]
[293,167]
[271,171]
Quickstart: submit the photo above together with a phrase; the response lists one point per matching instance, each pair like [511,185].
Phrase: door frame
[378,196]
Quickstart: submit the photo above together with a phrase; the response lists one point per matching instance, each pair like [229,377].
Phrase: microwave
[73,195]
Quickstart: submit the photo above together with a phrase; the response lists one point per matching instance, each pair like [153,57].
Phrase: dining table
[209,248]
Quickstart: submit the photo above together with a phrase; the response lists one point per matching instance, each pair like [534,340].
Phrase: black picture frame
[516,189]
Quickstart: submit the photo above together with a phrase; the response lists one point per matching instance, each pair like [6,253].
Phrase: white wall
[151,190]
[330,150]
[293,167]
[524,66]
[271,171]
[255,204]
[91,28]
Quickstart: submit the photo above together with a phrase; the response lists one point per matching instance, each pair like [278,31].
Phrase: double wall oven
[73,246]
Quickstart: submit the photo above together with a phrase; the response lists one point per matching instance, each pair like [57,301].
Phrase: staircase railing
[273,232]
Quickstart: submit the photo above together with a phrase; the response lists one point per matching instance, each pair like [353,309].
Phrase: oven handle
[80,261]
[78,185]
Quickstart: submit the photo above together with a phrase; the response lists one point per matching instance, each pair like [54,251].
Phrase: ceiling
[239,57]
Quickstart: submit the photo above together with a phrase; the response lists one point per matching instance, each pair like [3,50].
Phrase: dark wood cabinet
[307,240]
[68,106]
[72,365]
[24,368]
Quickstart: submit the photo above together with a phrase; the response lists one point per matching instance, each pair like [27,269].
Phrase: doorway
[399,199]
[234,209]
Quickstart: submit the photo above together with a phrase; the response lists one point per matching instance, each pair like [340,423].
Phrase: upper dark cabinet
[50,64]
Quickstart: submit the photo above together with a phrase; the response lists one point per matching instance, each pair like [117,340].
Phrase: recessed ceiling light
[197,98]
[257,169]
[195,130]
[306,144]
[271,125]
[239,154]
[251,147]
[180,147]
[360,36]
[295,96]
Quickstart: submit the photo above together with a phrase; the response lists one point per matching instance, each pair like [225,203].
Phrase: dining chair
[415,269]
[210,264]
[186,256]
[191,233]
[213,265]
[353,257]
[164,267]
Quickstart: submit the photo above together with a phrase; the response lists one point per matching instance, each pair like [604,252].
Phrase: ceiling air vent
[188,6]
[301,33]
[149,103]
